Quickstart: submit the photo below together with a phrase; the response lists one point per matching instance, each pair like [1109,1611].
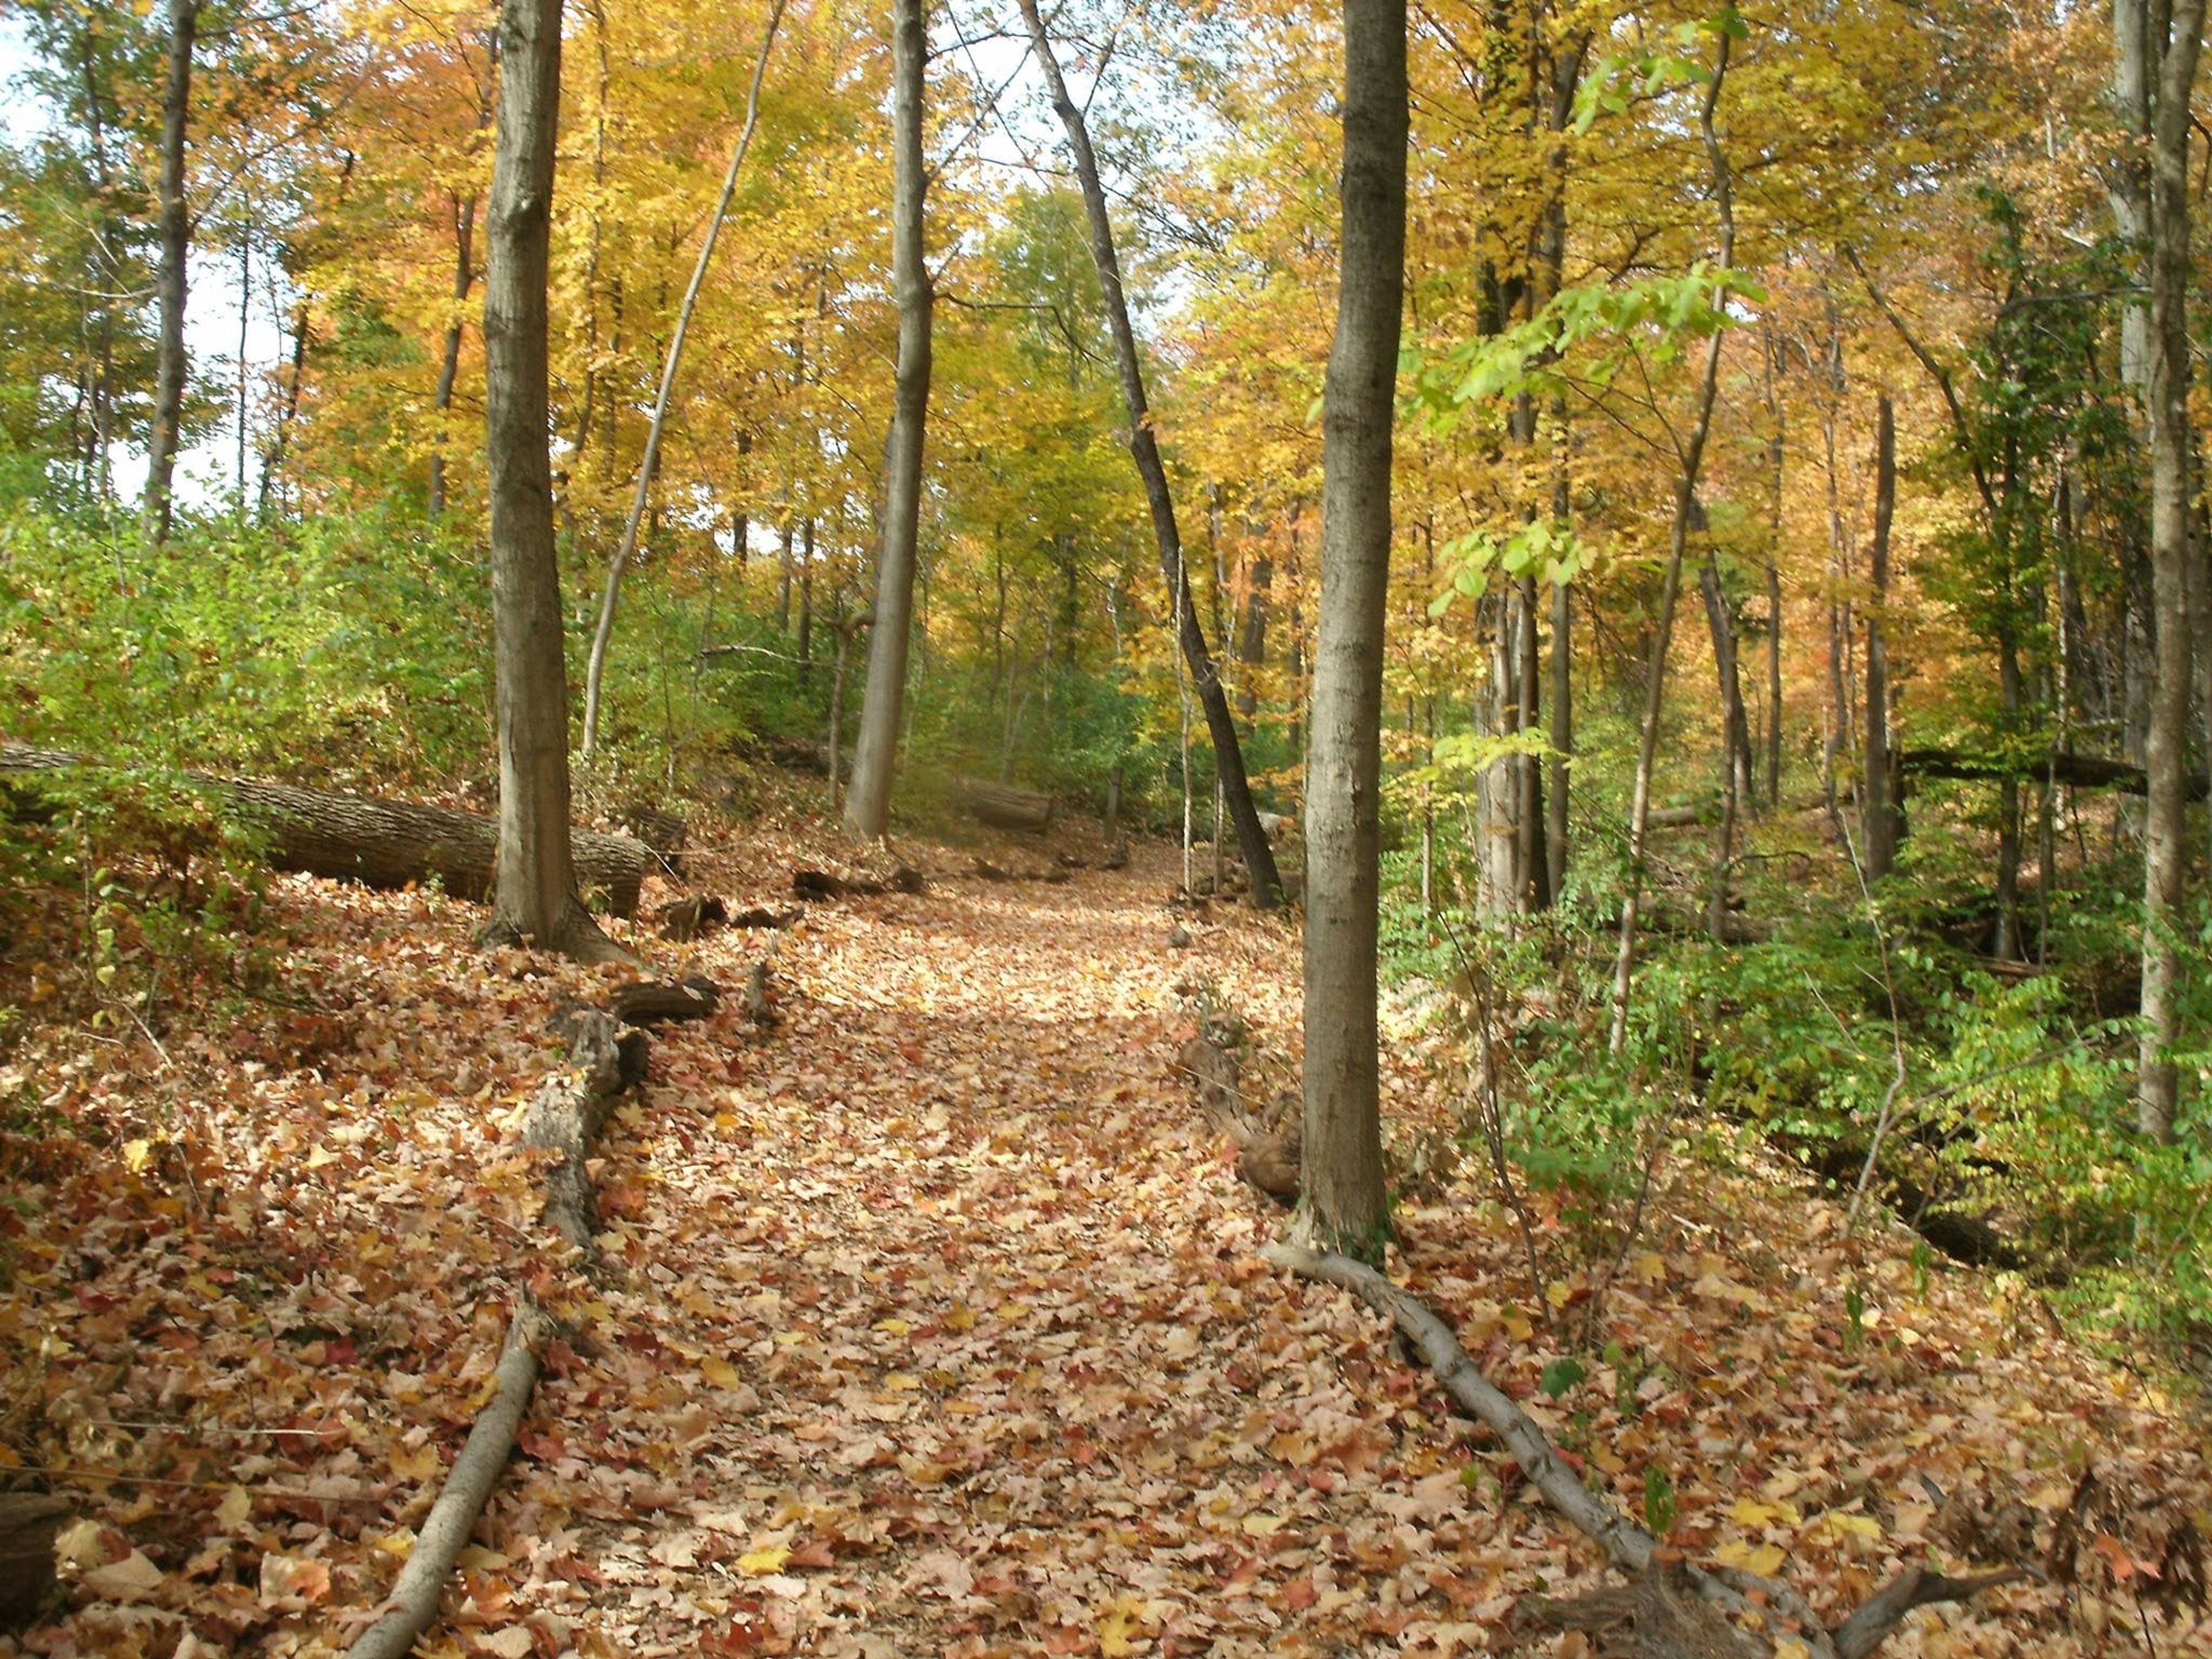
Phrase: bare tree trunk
[535,900]
[172,363]
[1875,796]
[649,462]
[1145,450]
[1344,1207]
[1536,891]
[2165,824]
[898,535]
[1686,504]
[1735,743]
[449,365]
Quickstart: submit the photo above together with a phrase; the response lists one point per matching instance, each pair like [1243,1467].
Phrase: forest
[1165,827]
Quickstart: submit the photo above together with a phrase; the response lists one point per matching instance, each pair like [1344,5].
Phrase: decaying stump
[1003,806]
[29,1524]
[384,844]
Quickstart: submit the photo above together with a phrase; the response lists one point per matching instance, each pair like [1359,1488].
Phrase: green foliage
[341,652]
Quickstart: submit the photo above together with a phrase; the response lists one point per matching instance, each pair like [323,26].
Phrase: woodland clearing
[930,1319]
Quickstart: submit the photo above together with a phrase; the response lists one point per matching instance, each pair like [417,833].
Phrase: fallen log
[2081,771]
[1747,1599]
[566,1117]
[821,885]
[384,844]
[687,919]
[1002,805]
[657,1002]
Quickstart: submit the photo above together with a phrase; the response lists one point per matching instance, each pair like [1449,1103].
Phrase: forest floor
[931,1322]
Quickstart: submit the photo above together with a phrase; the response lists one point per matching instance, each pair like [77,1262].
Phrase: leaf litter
[931,1322]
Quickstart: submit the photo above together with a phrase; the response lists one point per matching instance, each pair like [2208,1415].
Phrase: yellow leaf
[417,1462]
[719,1372]
[893,1326]
[1750,1512]
[900,1383]
[962,1318]
[1848,1526]
[136,1154]
[1119,1626]
[237,1505]
[1516,1324]
[1261,1525]
[922,1472]
[400,1544]
[1765,1559]
[761,1562]
[1649,1268]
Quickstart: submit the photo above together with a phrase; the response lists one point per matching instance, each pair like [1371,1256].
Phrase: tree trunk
[449,365]
[2164,827]
[535,898]
[1345,1207]
[868,804]
[1145,450]
[1874,791]
[648,463]
[1686,505]
[172,363]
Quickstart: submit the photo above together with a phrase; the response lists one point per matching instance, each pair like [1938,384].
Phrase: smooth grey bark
[1875,789]
[1145,452]
[1344,1207]
[648,464]
[898,533]
[2165,758]
[535,899]
[171,364]
[1692,455]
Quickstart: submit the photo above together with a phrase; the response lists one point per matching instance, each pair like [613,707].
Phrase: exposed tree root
[1653,1610]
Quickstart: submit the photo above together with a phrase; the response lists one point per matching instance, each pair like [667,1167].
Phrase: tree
[1145,452]
[535,899]
[898,527]
[1345,1205]
[2165,826]
[176,252]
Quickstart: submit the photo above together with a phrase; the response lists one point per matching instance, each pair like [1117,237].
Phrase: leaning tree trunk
[2165,826]
[1145,450]
[648,463]
[172,362]
[1345,1207]
[868,803]
[1686,503]
[1881,821]
[535,899]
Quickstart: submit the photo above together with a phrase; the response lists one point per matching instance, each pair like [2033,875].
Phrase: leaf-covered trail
[941,1327]
[931,1322]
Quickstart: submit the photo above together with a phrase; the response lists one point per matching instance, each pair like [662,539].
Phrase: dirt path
[942,1331]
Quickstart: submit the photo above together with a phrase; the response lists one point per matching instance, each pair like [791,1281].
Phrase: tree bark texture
[172,364]
[2165,755]
[1345,1204]
[1145,452]
[868,803]
[534,897]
